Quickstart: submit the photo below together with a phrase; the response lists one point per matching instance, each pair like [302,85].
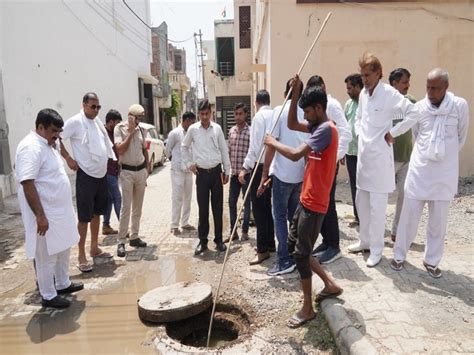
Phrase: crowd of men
[386,140]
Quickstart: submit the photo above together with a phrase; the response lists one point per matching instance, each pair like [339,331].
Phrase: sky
[184,18]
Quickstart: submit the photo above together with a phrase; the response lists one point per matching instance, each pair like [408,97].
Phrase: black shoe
[121,250]
[200,248]
[56,302]
[73,287]
[137,243]
[220,246]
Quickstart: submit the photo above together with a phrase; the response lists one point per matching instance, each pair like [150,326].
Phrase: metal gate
[225,110]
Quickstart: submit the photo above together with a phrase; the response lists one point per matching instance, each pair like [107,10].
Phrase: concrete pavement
[406,312]
[381,310]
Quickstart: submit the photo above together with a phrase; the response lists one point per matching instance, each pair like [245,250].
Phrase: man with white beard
[433,174]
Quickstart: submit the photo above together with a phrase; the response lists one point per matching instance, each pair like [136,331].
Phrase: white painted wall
[53,52]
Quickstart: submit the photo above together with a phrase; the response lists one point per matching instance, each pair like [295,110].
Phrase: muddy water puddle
[98,322]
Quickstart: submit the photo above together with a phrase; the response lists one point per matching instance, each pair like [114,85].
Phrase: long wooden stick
[253,176]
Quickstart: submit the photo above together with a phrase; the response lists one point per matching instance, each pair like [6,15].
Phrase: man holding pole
[320,150]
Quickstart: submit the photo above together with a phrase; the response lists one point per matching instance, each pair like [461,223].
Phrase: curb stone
[348,338]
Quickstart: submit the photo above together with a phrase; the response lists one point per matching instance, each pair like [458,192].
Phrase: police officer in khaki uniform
[133,159]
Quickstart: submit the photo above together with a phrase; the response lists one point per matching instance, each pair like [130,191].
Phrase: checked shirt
[239,141]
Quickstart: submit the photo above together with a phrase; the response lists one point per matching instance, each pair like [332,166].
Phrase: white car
[154,145]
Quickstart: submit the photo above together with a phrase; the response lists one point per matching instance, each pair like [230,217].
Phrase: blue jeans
[285,198]
[234,192]
[114,197]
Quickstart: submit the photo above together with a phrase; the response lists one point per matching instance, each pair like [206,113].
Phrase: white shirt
[375,166]
[336,113]
[429,179]
[173,148]
[284,169]
[77,129]
[261,123]
[205,147]
[36,160]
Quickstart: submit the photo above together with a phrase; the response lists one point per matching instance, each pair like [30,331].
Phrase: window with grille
[178,64]
[244,26]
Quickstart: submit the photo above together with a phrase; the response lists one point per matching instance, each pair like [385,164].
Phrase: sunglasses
[95,107]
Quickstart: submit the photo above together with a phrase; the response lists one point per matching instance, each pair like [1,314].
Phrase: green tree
[175,108]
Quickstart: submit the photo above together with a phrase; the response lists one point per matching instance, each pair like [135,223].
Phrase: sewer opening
[230,325]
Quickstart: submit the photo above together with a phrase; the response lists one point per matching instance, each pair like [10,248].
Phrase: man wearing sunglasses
[91,148]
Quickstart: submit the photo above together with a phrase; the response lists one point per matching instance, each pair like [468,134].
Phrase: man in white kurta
[181,178]
[434,170]
[378,103]
[45,200]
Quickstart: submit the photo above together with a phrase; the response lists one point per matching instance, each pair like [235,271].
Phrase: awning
[148,79]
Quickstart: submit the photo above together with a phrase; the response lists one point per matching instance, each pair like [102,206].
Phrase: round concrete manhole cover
[174,302]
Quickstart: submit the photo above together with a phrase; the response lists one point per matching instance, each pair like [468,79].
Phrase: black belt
[218,166]
[134,168]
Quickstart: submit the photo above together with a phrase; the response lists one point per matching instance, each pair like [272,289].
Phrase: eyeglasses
[95,107]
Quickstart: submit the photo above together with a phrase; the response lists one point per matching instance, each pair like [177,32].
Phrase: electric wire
[102,43]
[151,28]
[146,50]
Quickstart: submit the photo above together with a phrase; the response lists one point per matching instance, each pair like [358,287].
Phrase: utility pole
[202,66]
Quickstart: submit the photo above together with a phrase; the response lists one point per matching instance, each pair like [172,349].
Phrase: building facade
[417,35]
[52,53]
[227,72]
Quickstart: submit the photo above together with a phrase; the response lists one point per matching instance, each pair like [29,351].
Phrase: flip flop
[85,267]
[295,321]
[103,255]
[433,271]
[323,295]
[396,265]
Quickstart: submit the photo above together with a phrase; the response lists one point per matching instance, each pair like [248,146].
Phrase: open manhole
[230,325]
[185,309]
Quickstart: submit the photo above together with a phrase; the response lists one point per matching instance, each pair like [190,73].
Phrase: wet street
[103,317]
[407,312]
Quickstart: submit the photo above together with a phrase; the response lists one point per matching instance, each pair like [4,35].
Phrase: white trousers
[435,230]
[52,271]
[401,170]
[181,193]
[371,207]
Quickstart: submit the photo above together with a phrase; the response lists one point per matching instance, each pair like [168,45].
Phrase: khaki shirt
[134,154]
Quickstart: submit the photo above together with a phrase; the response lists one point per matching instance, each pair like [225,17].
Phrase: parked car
[154,145]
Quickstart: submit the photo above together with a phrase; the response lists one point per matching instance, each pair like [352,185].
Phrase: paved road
[399,312]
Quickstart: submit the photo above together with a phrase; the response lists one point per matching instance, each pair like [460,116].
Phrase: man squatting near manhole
[320,150]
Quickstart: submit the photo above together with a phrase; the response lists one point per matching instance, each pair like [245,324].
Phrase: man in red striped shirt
[320,150]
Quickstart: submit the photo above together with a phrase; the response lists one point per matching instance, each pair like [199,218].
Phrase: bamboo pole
[253,176]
